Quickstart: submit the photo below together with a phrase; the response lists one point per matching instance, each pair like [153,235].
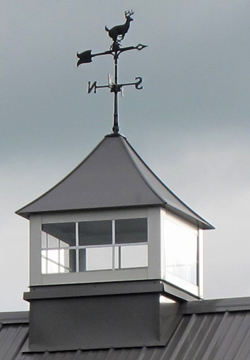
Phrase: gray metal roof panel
[12,338]
[222,335]
[107,178]
[112,176]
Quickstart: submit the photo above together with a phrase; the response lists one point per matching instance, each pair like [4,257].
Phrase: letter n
[91,87]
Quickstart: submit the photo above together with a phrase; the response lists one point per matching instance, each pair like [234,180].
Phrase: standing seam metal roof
[211,335]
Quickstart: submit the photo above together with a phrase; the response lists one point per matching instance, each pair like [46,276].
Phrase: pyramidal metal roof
[112,176]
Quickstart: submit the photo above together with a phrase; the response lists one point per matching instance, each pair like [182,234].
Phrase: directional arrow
[86,56]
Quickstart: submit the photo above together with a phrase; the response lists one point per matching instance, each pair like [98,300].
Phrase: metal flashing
[18,317]
[217,305]
[96,289]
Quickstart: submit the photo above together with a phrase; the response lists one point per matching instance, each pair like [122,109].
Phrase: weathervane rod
[115,125]
[117,34]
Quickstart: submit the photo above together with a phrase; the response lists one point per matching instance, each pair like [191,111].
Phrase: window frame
[77,247]
[153,271]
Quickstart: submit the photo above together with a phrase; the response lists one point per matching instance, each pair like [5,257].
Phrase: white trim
[113,246]
[200,263]
[182,284]
[95,276]
[77,244]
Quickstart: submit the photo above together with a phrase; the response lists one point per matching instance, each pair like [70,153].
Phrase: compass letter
[92,86]
[138,83]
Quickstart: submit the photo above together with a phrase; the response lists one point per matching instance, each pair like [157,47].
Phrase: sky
[190,123]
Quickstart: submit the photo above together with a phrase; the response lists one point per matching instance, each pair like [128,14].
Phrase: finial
[117,34]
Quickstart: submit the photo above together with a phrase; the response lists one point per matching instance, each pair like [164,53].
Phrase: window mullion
[47,246]
[77,247]
[113,244]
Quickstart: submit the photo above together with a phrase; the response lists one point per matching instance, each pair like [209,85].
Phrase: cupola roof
[112,176]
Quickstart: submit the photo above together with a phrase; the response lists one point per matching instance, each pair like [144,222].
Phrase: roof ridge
[140,173]
[216,305]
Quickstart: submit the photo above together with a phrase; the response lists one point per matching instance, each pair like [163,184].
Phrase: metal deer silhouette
[118,32]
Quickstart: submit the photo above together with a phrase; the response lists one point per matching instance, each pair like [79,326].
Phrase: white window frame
[153,271]
[113,245]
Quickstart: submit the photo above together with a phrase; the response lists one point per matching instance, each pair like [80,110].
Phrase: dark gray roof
[208,330]
[112,176]
[13,334]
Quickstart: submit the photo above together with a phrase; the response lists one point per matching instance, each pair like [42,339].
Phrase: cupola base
[99,316]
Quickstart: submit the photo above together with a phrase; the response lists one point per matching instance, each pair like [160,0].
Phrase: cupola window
[181,256]
[181,260]
[94,245]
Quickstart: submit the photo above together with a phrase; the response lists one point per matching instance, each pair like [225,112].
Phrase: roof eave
[197,221]
[200,223]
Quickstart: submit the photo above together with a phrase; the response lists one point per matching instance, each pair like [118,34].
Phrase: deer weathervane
[117,34]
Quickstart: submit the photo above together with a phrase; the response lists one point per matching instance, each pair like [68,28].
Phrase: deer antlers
[129,13]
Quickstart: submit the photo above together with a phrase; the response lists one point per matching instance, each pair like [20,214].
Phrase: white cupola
[112,219]
[113,233]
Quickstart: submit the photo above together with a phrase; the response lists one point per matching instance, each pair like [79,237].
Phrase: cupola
[107,238]
[113,251]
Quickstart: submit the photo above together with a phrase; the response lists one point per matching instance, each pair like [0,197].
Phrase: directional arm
[86,56]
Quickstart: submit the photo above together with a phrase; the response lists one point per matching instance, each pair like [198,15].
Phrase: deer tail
[106,28]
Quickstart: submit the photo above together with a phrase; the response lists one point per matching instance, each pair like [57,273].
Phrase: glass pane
[181,252]
[99,258]
[58,261]
[67,261]
[62,231]
[134,256]
[52,261]
[63,244]
[44,261]
[130,231]
[82,260]
[72,260]
[95,232]
[52,241]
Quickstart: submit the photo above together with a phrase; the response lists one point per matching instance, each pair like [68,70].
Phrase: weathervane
[117,34]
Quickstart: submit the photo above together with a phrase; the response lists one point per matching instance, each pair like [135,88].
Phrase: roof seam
[162,183]
[139,172]
[242,346]
[19,347]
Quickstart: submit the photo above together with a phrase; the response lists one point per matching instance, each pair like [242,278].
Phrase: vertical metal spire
[116,90]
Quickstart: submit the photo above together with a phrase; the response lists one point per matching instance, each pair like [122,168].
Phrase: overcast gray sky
[190,123]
